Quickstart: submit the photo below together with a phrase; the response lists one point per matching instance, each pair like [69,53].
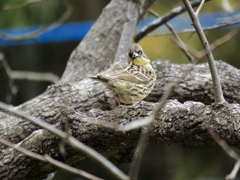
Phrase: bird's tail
[101,78]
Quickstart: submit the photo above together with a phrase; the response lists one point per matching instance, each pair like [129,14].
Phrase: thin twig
[190,58]
[12,88]
[47,158]
[226,20]
[199,7]
[218,94]
[226,24]
[73,142]
[187,48]
[18,6]
[142,143]
[234,172]
[164,19]
[34,76]
[231,153]
[219,42]
[223,144]
[62,19]
[150,11]
[226,38]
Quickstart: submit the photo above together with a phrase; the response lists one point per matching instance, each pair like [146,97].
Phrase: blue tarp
[77,31]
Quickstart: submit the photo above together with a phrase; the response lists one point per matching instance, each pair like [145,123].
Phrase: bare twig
[47,158]
[223,144]
[219,99]
[226,38]
[187,48]
[62,19]
[18,6]
[181,44]
[192,31]
[199,7]
[34,76]
[150,11]
[162,20]
[201,54]
[73,142]
[226,20]
[226,24]
[13,75]
[230,153]
[12,89]
[142,143]
[190,58]
[234,172]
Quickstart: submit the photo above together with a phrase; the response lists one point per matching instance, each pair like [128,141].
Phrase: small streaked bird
[135,82]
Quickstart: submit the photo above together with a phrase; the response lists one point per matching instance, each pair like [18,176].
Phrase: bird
[133,83]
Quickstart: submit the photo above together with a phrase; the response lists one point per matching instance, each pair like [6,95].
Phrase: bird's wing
[136,78]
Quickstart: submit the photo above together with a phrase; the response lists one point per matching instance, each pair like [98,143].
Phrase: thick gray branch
[176,123]
[87,94]
[182,123]
[98,49]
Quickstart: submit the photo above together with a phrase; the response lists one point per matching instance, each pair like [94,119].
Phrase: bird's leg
[132,100]
[117,99]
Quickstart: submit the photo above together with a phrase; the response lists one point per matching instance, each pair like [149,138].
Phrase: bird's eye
[130,54]
[140,52]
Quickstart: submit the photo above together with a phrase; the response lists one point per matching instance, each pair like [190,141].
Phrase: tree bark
[98,49]
[176,123]
[183,120]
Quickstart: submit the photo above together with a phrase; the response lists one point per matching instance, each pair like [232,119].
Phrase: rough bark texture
[183,120]
[176,122]
[98,49]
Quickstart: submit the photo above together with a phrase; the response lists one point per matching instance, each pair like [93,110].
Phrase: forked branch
[218,94]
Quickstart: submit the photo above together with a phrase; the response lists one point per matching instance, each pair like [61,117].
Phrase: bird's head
[136,55]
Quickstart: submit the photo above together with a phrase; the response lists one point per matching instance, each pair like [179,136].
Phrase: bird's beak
[134,55]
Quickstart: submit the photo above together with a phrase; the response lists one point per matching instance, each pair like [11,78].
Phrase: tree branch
[47,158]
[86,95]
[35,76]
[181,44]
[230,152]
[69,140]
[164,19]
[175,123]
[32,35]
[226,24]
[81,101]
[219,99]
[30,2]
[97,50]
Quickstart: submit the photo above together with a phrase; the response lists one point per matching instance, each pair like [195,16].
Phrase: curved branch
[218,94]
[176,123]
[62,19]
[19,6]
[87,94]
[164,19]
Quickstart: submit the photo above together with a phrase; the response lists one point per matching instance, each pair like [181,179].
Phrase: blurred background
[49,51]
